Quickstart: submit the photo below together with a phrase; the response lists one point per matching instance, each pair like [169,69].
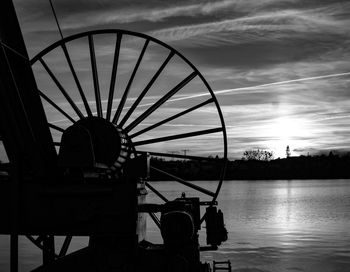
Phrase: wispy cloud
[252,89]
[280,68]
[262,26]
[82,14]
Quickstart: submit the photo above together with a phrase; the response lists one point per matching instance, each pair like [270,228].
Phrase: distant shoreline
[303,167]
[215,180]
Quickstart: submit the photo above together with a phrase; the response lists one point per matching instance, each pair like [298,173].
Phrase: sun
[286,131]
[286,128]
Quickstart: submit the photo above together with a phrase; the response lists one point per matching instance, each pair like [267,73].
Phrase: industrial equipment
[86,172]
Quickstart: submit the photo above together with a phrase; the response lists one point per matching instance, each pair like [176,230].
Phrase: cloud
[256,26]
[262,88]
[275,64]
[81,14]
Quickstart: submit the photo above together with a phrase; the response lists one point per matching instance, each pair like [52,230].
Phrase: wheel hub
[94,142]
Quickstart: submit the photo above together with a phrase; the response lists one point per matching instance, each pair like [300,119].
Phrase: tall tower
[287,151]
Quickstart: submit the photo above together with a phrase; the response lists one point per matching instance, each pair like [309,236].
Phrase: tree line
[257,165]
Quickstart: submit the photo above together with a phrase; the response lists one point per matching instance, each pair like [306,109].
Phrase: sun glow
[286,131]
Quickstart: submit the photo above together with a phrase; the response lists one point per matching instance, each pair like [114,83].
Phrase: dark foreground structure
[95,183]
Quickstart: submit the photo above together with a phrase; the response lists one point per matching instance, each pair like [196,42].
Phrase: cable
[54,14]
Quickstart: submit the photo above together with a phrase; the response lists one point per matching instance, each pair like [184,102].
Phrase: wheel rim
[131,114]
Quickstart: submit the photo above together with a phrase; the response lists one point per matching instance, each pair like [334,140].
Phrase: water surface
[296,225]
[284,225]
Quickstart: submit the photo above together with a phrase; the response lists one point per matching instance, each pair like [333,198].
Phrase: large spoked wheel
[147,89]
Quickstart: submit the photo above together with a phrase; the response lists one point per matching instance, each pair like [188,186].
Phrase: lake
[278,225]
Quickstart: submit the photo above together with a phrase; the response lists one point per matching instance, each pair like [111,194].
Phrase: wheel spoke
[184,182]
[36,241]
[77,82]
[160,102]
[56,127]
[65,246]
[60,87]
[53,104]
[127,89]
[159,154]
[155,219]
[172,118]
[202,219]
[95,76]
[178,136]
[113,76]
[133,115]
[156,192]
[144,92]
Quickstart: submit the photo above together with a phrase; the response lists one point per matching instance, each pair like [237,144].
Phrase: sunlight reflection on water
[298,225]
[301,225]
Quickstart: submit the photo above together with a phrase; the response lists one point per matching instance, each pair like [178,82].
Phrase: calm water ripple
[274,226]
[297,225]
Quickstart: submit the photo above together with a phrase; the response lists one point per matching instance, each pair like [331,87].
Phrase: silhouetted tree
[257,155]
[288,151]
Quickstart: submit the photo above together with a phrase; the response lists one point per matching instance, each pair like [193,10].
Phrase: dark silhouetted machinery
[88,175]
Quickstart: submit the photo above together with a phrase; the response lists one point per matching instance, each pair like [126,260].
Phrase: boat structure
[91,176]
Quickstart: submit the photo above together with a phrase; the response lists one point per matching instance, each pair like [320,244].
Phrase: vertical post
[14,217]
[14,252]
[48,249]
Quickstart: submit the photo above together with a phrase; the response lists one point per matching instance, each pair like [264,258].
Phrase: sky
[280,69]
